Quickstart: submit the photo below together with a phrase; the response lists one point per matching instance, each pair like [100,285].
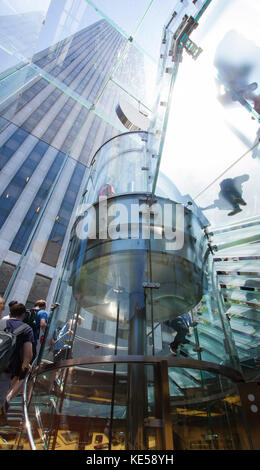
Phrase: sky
[203,138]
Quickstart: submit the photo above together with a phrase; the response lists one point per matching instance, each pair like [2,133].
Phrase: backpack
[8,343]
[30,318]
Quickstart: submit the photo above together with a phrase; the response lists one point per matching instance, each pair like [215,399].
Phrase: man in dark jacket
[181,325]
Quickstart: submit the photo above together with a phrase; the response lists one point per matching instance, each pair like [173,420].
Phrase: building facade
[47,141]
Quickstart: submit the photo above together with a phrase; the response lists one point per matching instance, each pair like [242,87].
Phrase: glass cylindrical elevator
[134,262]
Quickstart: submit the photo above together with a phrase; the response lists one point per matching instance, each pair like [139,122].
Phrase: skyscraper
[49,133]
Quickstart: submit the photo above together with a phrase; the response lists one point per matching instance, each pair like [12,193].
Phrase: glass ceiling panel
[110,98]
[206,134]
[210,127]
[124,15]
[20,28]
[157,17]
[55,69]
[138,74]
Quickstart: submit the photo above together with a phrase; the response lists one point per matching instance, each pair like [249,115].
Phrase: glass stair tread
[245,327]
[244,341]
[175,390]
[236,234]
[241,295]
[244,321]
[212,331]
[242,250]
[239,281]
[245,311]
[243,266]
[183,380]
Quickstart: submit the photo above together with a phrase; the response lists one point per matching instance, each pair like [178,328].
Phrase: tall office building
[49,133]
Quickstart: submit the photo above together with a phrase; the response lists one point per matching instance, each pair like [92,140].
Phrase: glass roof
[213,121]
[214,117]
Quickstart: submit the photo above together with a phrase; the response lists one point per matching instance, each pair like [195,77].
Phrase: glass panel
[157,17]
[72,409]
[142,72]
[206,412]
[20,28]
[67,70]
[125,156]
[123,15]
[237,187]
[80,61]
[212,155]
[69,410]
[6,272]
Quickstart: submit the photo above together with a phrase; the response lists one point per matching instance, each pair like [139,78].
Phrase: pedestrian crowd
[19,343]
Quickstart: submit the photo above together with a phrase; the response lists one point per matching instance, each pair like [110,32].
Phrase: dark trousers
[231,197]
[181,330]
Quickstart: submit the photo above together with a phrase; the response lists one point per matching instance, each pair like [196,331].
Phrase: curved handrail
[26,415]
[186,363]
[171,362]
[113,138]
[101,345]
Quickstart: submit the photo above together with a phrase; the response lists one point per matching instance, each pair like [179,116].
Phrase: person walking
[181,325]
[18,363]
[10,305]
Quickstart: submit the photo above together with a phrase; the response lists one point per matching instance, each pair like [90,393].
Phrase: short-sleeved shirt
[15,367]
[40,314]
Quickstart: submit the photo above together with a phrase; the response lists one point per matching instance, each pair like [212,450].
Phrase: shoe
[173,351]
[3,417]
[185,341]
[6,406]
[240,201]
[236,211]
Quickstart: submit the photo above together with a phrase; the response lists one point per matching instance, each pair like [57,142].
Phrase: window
[13,191]
[53,247]
[8,149]
[30,219]
[6,272]
[98,324]
[39,290]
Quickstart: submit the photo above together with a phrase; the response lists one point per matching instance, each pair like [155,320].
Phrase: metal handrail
[232,374]
[102,345]
[26,415]
[113,138]
[188,363]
